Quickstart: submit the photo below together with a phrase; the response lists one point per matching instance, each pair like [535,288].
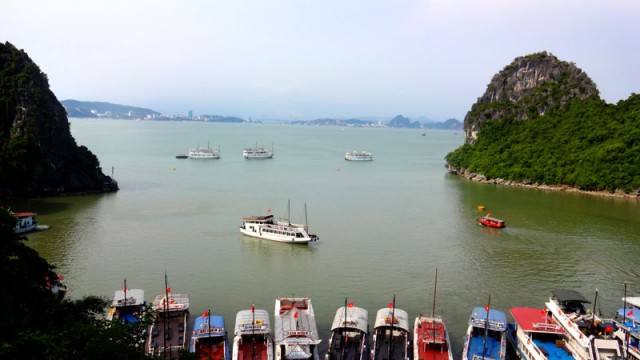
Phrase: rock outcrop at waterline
[530,86]
[38,155]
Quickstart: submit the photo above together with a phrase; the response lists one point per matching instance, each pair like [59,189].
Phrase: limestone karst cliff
[38,155]
[530,86]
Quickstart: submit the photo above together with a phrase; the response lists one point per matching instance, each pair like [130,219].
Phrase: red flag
[206,313]
[608,329]
[295,315]
[350,305]
[390,305]
[486,308]
[543,311]
[168,289]
[253,308]
[630,313]
[269,210]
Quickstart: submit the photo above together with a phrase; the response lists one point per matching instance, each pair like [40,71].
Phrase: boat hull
[431,339]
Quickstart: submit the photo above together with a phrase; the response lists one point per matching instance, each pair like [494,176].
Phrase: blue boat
[209,338]
[484,342]
[628,321]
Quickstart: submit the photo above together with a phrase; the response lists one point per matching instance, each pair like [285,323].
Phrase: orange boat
[489,221]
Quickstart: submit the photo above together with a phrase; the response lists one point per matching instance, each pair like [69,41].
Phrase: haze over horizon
[304,60]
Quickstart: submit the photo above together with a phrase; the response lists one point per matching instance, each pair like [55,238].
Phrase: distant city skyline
[297,60]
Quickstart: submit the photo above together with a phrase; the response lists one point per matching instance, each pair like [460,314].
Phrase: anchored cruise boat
[204,153]
[257,152]
[358,156]
[266,227]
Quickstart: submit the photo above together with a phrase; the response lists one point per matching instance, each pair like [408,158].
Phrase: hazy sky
[298,59]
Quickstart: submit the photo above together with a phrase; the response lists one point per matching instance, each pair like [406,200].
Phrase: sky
[303,60]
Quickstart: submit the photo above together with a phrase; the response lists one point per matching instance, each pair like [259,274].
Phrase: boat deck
[346,346]
[167,335]
[478,350]
[250,350]
[211,348]
[387,348]
[431,341]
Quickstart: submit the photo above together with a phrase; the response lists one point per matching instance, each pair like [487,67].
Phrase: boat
[167,335]
[606,349]
[257,152]
[628,322]
[182,156]
[252,336]
[430,336]
[390,334]
[266,227]
[209,338]
[349,337]
[127,306]
[489,221]
[27,222]
[486,335]
[583,327]
[358,156]
[204,153]
[296,334]
[537,336]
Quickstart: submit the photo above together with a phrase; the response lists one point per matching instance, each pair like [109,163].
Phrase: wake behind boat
[349,334]
[486,335]
[209,338]
[252,336]
[266,227]
[296,334]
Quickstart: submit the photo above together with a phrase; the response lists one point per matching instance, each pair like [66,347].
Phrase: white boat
[583,327]
[349,334]
[127,305]
[606,349]
[486,335]
[167,336]
[537,336]
[296,334]
[358,156]
[266,227]
[390,335]
[204,153]
[257,152]
[252,336]
[27,222]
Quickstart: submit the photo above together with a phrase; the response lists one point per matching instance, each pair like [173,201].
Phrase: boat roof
[134,297]
[258,218]
[492,219]
[177,302]
[208,326]
[294,321]
[497,319]
[564,295]
[252,323]
[357,318]
[383,318]
[633,301]
[24,214]
[535,320]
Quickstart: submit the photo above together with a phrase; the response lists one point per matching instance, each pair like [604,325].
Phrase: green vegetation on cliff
[588,144]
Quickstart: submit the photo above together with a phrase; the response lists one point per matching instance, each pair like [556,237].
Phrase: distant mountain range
[94,109]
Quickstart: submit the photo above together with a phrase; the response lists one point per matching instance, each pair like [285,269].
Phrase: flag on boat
[253,309]
[295,315]
[168,289]
[350,305]
[205,314]
[630,313]
[486,308]
[390,305]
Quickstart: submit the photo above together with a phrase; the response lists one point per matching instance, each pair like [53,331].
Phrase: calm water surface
[384,226]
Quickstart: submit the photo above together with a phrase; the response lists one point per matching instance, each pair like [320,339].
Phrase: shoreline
[532,185]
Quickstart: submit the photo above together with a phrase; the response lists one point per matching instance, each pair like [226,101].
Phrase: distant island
[542,123]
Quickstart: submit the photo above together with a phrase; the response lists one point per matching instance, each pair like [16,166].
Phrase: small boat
[349,334]
[127,305]
[257,152]
[209,338]
[358,156]
[296,333]
[430,336]
[391,334]
[204,153]
[182,156]
[266,227]
[27,222]
[167,336]
[628,322]
[252,336]
[489,221]
[486,335]
[537,336]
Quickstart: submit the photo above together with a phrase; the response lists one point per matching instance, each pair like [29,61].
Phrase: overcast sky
[299,59]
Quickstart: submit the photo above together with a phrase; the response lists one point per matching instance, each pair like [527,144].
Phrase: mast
[253,331]
[627,336]
[166,311]
[306,223]
[595,301]
[433,312]
[393,317]
[486,328]
[344,331]
[125,292]
[289,211]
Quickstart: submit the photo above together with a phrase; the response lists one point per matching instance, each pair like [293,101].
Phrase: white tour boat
[204,153]
[358,156]
[257,153]
[296,333]
[266,227]
[252,335]
[27,222]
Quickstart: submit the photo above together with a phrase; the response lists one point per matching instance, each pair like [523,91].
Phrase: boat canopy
[135,297]
[295,322]
[24,214]
[177,302]
[296,352]
[567,296]
[248,323]
[208,326]
[535,320]
[401,318]
[497,319]
[357,318]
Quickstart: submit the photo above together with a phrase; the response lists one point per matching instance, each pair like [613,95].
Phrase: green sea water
[385,226]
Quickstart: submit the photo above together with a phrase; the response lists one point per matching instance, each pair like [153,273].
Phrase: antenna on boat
[486,328]
[125,295]
[624,319]
[344,332]
[166,311]
[253,331]
[306,223]
[289,211]
[595,302]
[433,311]
[393,317]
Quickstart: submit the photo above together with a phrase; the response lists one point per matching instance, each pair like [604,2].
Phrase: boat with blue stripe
[486,337]
[209,338]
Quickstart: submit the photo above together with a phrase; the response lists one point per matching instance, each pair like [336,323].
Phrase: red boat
[489,221]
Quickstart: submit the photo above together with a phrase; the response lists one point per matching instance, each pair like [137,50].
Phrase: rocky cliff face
[529,87]
[38,155]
